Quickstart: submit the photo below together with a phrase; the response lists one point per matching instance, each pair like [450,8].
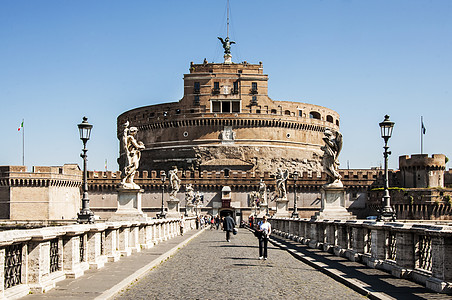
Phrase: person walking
[228,226]
[264,229]
[182,224]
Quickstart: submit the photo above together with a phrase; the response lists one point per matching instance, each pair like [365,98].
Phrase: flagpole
[23,143]
[422,138]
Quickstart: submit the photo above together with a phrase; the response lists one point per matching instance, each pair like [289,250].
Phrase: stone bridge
[307,259]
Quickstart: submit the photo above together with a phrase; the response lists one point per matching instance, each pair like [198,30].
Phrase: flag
[21,126]
[422,127]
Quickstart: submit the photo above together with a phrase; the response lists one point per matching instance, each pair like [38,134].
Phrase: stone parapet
[35,259]
[419,252]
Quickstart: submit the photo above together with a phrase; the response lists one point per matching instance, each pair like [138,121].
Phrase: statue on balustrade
[132,149]
[189,194]
[331,149]
[281,178]
[262,192]
[174,183]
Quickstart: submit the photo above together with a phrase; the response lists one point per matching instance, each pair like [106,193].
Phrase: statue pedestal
[281,207]
[189,210]
[173,208]
[262,210]
[129,206]
[228,59]
[333,204]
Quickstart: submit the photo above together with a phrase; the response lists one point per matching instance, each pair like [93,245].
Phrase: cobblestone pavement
[211,268]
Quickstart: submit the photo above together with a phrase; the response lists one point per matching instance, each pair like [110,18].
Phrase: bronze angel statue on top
[226,45]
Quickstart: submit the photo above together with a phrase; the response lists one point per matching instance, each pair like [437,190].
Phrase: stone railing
[35,260]
[419,252]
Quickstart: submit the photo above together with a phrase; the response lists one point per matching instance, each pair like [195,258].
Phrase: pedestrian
[228,226]
[264,229]
[197,222]
[182,224]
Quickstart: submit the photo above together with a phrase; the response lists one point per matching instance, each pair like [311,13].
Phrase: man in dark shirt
[228,226]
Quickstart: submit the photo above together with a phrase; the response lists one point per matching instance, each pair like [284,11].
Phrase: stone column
[95,259]
[111,244]
[72,265]
[441,262]
[378,248]
[123,245]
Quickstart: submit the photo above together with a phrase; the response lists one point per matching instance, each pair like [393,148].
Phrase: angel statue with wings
[132,148]
[331,149]
[226,44]
[281,178]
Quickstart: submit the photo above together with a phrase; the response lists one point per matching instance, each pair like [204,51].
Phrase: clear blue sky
[61,60]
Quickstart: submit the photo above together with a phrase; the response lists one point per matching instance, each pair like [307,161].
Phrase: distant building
[46,193]
[421,189]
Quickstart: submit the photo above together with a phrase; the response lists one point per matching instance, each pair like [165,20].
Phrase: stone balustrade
[35,260]
[419,252]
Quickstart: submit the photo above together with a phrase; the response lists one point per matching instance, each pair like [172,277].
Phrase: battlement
[421,161]
[347,175]
[242,68]
[66,175]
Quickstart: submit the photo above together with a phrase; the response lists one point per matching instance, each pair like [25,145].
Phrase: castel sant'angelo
[226,121]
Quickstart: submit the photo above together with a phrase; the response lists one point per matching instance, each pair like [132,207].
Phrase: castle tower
[421,171]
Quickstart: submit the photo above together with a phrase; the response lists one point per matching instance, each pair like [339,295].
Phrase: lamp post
[85,215]
[162,214]
[295,210]
[387,214]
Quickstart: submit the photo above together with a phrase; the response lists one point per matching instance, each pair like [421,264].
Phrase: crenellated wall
[103,186]
[46,193]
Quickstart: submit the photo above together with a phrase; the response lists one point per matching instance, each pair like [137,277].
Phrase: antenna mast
[227,35]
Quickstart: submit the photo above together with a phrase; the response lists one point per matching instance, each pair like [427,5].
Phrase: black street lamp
[387,213]
[85,215]
[162,214]
[295,209]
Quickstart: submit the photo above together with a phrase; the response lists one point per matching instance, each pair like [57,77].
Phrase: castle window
[287,112]
[300,113]
[235,89]
[225,106]
[240,71]
[235,106]
[254,100]
[216,87]
[197,88]
[177,111]
[254,88]
[226,172]
[337,122]
[216,106]
[273,111]
[314,115]
[196,102]
[329,119]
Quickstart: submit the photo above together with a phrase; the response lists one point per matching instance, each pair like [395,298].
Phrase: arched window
[314,115]
[337,122]
[273,111]
[287,112]
[226,172]
[329,119]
